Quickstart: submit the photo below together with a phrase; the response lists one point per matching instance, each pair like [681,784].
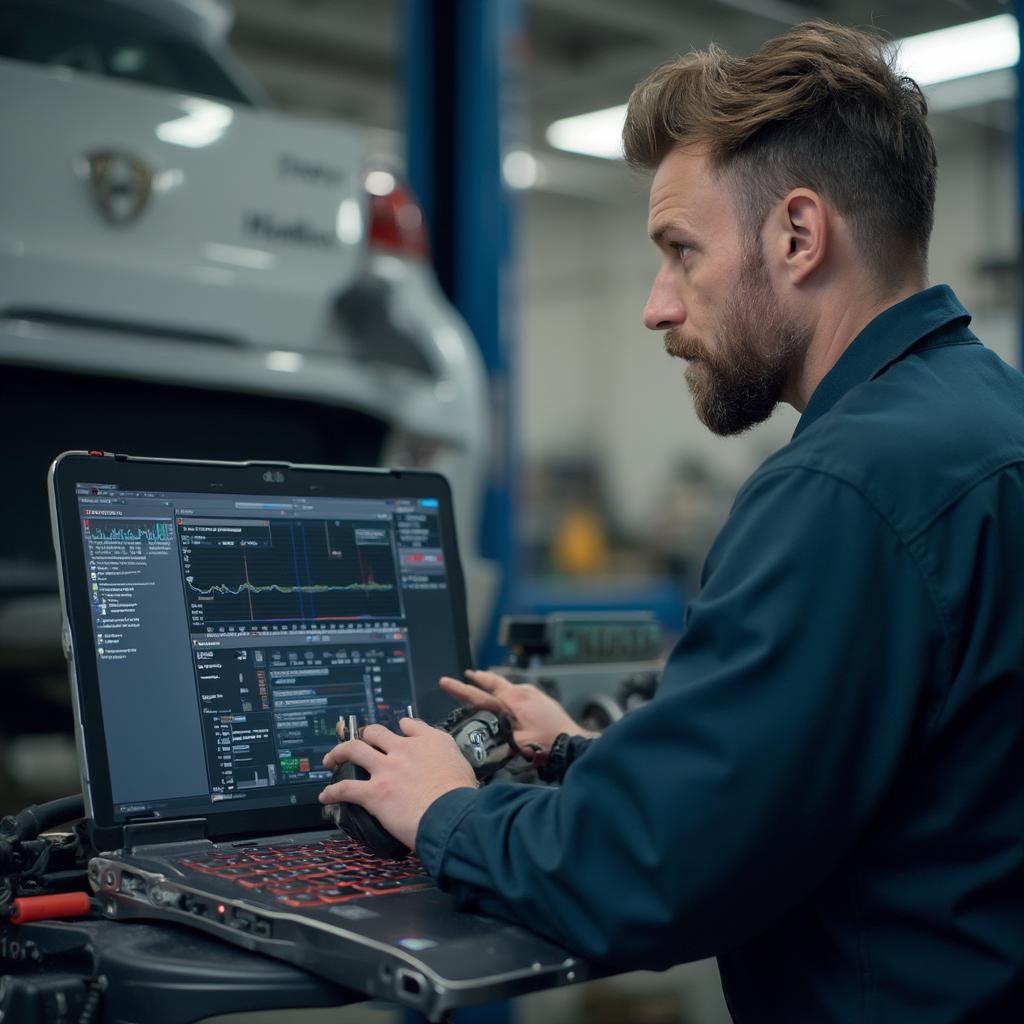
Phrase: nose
[665,308]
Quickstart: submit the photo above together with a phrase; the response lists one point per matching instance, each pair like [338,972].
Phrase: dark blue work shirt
[828,790]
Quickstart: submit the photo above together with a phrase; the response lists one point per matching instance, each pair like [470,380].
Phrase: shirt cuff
[438,822]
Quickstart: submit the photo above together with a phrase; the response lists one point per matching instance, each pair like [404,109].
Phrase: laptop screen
[232,631]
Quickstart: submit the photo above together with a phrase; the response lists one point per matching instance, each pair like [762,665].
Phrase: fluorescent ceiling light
[974,48]
[598,133]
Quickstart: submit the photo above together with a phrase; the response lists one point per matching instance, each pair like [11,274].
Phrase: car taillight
[396,221]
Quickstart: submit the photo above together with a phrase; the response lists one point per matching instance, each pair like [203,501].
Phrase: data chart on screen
[245,571]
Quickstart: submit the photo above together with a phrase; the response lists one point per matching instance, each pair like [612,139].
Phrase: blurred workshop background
[483,316]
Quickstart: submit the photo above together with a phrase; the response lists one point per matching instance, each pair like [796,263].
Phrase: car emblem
[121,184]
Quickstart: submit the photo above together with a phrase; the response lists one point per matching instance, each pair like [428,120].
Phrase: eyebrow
[657,236]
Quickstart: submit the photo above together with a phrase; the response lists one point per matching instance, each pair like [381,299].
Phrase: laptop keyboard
[334,870]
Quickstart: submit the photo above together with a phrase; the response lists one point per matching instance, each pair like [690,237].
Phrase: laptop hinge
[164,833]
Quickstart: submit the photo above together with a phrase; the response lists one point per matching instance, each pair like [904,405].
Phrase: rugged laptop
[219,619]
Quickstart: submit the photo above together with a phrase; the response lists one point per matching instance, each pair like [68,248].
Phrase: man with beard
[828,790]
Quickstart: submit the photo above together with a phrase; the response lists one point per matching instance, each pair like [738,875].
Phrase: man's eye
[681,250]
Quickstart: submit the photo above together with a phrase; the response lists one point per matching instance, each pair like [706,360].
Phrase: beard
[738,383]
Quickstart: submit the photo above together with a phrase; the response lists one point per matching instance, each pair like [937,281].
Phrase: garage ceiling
[343,58]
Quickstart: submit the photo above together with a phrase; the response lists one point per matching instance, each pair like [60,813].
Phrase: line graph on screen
[311,571]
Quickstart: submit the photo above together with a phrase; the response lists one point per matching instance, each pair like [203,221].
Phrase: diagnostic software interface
[234,631]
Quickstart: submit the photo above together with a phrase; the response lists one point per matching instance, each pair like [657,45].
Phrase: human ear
[803,233]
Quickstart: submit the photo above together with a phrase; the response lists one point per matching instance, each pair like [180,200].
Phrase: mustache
[683,346]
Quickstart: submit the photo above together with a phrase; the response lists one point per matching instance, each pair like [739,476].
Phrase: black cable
[27,824]
[6,898]
[37,868]
[92,1000]
[25,860]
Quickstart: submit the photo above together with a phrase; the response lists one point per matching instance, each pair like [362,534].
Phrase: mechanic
[828,790]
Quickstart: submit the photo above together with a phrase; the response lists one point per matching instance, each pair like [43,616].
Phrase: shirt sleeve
[804,676]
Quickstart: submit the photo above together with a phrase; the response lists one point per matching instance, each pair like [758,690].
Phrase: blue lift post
[461,104]
[461,62]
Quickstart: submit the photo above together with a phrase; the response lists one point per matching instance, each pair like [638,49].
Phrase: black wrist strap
[564,751]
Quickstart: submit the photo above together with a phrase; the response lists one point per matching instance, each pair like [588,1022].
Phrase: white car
[185,272]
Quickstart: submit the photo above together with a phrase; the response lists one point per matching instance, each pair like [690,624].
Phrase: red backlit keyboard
[334,870]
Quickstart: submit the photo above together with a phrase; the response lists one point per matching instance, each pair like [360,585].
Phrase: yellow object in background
[580,544]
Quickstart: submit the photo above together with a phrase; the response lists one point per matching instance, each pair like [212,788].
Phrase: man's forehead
[686,192]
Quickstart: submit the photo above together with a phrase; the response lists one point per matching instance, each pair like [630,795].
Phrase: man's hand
[407,774]
[537,719]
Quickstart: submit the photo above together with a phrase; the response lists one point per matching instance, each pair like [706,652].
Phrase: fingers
[489,681]
[415,727]
[376,735]
[357,752]
[380,737]
[471,695]
[375,743]
[348,791]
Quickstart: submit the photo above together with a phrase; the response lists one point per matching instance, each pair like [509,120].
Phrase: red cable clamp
[40,908]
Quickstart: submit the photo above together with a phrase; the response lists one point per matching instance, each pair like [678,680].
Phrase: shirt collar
[885,340]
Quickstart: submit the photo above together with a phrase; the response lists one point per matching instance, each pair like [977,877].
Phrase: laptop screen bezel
[251,478]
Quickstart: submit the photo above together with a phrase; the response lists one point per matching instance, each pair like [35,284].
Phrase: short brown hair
[820,106]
